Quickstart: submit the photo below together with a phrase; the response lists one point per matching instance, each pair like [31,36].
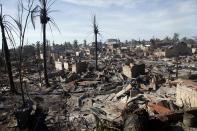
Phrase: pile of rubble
[129,97]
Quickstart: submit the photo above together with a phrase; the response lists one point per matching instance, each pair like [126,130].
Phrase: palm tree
[175,37]
[84,43]
[44,20]
[6,29]
[96,32]
[75,44]
[45,9]
[22,23]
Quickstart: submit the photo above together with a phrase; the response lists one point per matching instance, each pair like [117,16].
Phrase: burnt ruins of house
[120,95]
[133,70]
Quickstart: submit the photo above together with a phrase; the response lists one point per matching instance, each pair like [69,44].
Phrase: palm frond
[52,11]
[51,29]
[33,15]
[3,17]
[10,36]
[11,25]
[100,35]
[20,11]
[50,4]
[11,28]
[18,23]
[54,24]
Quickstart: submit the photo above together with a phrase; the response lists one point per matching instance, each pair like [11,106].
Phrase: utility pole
[96,44]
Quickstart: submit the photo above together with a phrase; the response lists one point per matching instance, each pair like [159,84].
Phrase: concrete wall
[41,56]
[58,65]
[186,95]
[79,67]
[133,71]
[194,50]
[66,66]
[137,70]
[55,56]
[127,71]
[160,53]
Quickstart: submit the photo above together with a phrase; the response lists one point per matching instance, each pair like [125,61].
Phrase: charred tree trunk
[96,50]
[7,56]
[3,56]
[20,74]
[45,56]
[177,67]
[96,43]
[44,20]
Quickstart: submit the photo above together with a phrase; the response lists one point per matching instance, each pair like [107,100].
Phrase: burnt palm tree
[6,28]
[25,11]
[96,32]
[44,10]
[44,20]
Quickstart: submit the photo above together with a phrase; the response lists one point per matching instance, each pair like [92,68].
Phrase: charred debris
[132,88]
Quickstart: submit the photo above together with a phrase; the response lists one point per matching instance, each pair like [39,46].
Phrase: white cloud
[187,6]
[99,2]
[124,19]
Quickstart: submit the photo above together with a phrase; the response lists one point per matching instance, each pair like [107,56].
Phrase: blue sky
[123,19]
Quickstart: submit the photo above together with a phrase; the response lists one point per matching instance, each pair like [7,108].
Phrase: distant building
[145,47]
[99,45]
[58,48]
[113,44]
[123,50]
[159,53]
